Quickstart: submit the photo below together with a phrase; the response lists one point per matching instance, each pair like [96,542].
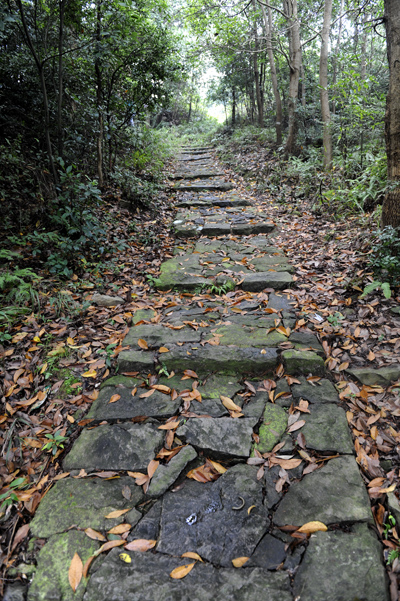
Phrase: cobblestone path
[248,415]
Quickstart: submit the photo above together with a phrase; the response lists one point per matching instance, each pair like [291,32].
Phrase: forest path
[241,405]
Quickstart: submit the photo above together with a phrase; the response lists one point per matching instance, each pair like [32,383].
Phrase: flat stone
[267,279]
[84,503]
[253,406]
[326,429]
[147,578]
[246,229]
[280,302]
[149,526]
[216,229]
[239,335]
[201,518]
[139,361]
[322,391]
[305,340]
[303,363]
[165,475]
[227,435]
[158,335]
[269,554]
[120,382]
[128,406]
[180,281]
[103,300]
[275,420]
[143,314]
[204,174]
[383,376]
[212,185]
[51,579]
[115,447]
[221,359]
[339,566]
[334,493]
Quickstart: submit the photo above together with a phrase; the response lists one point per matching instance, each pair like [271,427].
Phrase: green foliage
[385,257]
[375,285]
[9,497]
[55,442]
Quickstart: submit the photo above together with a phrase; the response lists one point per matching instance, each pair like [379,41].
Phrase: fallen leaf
[143,344]
[92,373]
[125,557]
[169,426]
[20,535]
[311,527]
[192,555]
[151,468]
[114,398]
[140,544]
[229,404]
[182,571]
[163,349]
[120,529]
[220,468]
[190,373]
[94,534]
[296,426]
[240,561]
[75,572]
[117,513]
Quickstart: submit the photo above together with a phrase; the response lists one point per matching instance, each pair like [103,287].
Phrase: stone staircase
[217,384]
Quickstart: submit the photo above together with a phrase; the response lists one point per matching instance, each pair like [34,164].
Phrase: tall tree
[290,7]
[323,82]
[391,204]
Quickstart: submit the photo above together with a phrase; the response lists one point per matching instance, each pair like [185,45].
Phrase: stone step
[201,186]
[195,174]
[190,157]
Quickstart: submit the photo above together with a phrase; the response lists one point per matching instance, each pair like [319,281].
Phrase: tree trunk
[60,136]
[290,7]
[233,107]
[99,96]
[274,79]
[323,83]
[257,73]
[336,52]
[391,204]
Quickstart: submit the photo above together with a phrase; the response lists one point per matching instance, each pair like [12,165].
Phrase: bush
[385,258]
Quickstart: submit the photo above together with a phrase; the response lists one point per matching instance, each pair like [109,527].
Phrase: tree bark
[233,107]
[60,136]
[260,111]
[99,95]
[274,79]
[290,7]
[391,204]
[323,83]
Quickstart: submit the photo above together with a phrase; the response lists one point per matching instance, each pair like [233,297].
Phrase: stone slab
[225,360]
[165,475]
[139,361]
[322,391]
[115,447]
[51,579]
[212,185]
[383,376]
[201,518]
[256,282]
[273,427]
[128,406]
[84,503]
[326,429]
[339,566]
[157,335]
[303,363]
[147,578]
[334,493]
[225,435]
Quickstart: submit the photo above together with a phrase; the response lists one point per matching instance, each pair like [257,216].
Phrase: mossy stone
[303,363]
[274,424]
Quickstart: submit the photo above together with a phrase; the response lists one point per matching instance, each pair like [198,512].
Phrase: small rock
[103,300]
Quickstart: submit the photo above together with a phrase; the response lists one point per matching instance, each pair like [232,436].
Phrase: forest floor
[54,366]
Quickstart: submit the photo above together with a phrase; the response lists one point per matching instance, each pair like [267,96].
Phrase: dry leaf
[125,557]
[240,561]
[114,398]
[140,544]
[229,404]
[75,572]
[151,468]
[120,529]
[182,571]
[220,468]
[118,512]
[94,534]
[311,527]
[163,349]
[169,426]
[143,344]
[296,426]
[192,555]
[190,373]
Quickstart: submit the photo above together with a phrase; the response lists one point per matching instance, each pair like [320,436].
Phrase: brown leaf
[161,388]
[169,426]
[229,404]
[190,373]
[120,529]
[20,535]
[163,349]
[182,571]
[114,398]
[110,544]
[240,561]
[311,527]
[192,555]
[287,464]
[94,534]
[140,544]
[151,468]
[296,426]
[117,513]
[75,572]
[143,344]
